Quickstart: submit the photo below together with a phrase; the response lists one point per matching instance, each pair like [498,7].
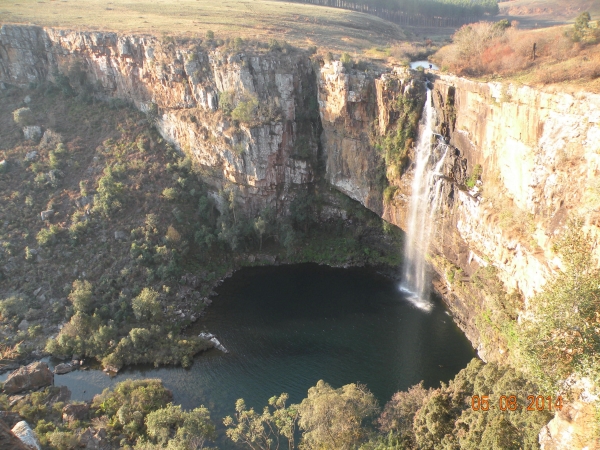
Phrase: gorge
[519,161]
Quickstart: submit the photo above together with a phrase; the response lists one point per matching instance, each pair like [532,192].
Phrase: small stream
[286,327]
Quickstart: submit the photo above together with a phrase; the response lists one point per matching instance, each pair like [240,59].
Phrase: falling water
[424,203]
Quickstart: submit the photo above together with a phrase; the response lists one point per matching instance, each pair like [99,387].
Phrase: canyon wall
[538,152]
[187,88]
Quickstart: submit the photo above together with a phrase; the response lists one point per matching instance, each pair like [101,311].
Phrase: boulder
[30,156]
[84,201]
[74,411]
[95,441]
[10,418]
[33,376]
[8,439]
[46,215]
[32,133]
[58,394]
[63,368]
[120,235]
[23,431]
[23,325]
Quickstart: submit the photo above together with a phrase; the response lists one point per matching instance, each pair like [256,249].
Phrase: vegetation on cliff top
[498,50]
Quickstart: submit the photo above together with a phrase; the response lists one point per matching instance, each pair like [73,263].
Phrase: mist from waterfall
[424,203]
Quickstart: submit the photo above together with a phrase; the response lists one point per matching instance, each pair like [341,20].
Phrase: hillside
[540,13]
[299,24]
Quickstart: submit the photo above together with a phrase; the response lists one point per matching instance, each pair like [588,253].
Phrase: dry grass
[545,11]
[299,24]
[559,60]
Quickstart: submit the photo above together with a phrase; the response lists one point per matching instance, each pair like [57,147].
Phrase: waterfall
[424,203]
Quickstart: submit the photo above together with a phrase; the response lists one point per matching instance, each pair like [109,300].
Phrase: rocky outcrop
[23,431]
[25,378]
[8,440]
[75,411]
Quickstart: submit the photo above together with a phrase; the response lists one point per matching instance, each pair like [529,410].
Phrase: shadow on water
[287,327]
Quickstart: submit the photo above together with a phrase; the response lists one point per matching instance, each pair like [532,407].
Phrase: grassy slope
[539,13]
[299,24]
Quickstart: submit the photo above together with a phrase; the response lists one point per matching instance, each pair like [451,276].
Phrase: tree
[561,333]
[260,225]
[263,431]
[336,419]
[583,21]
[146,305]
[399,413]
[81,296]
[179,429]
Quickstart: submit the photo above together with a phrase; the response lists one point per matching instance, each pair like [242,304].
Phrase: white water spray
[424,203]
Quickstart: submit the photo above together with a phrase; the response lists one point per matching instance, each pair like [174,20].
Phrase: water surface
[287,327]
[424,64]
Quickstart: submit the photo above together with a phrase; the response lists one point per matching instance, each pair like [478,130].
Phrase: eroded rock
[32,133]
[74,411]
[8,440]
[23,431]
[33,376]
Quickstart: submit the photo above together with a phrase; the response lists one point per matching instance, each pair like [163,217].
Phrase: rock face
[23,431]
[74,412]
[25,378]
[187,89]
[571,428]
[8,440]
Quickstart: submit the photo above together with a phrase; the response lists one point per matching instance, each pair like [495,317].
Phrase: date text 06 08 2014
[511,403]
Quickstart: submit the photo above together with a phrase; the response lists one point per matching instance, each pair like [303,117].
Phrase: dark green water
[287,327]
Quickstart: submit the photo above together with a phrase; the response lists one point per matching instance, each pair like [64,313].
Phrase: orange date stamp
[511,403]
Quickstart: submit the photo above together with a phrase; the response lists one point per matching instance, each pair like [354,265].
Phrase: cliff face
[188,89]
[539,152]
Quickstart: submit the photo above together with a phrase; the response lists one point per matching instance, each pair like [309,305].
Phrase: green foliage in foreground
[561,336]
[339,419]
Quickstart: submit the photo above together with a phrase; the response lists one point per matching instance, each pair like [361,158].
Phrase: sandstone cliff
[187,88]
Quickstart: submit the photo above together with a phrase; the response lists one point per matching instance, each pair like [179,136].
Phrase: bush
[23,117]
[81,296]
[170,194]
[14,308]
[210,35]
[346,60]
[146,305]
[48,236]
[246,111]
[108,198]
[336,418]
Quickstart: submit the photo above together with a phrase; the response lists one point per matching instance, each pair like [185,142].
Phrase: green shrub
[14,308]
[472,180]
[388,193]
[246,111]
[48,236]
[210,35]
[23,117]
[170,194]
[108,198]
[346,60]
